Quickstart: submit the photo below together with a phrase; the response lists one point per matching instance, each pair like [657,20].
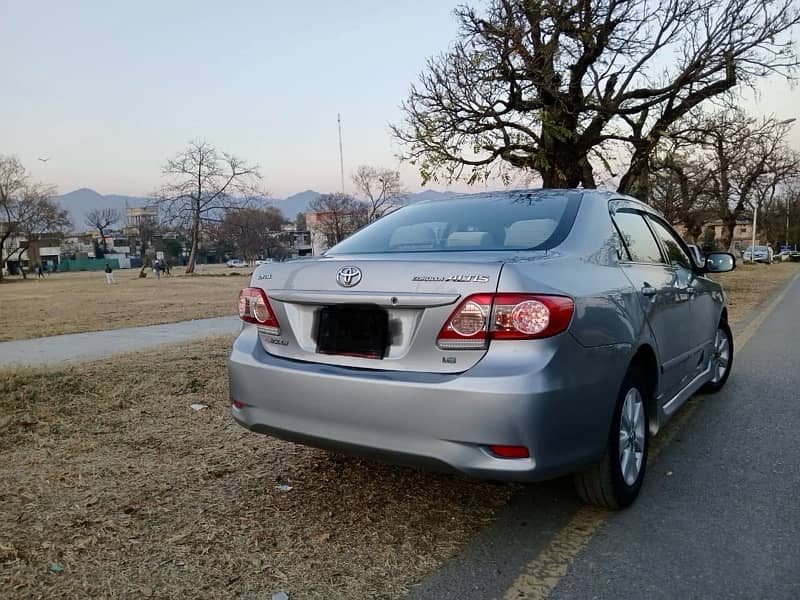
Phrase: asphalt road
[718,517]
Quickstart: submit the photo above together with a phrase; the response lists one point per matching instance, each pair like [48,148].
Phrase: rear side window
[677,257]
[637,237]
[525,220]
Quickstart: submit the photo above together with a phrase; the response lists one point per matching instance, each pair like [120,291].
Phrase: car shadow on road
[521,530]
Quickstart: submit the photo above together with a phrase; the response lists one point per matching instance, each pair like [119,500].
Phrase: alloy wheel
[721,357]
[631,436]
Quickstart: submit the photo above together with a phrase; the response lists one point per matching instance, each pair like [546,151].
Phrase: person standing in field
[39,272]
[157,269]
[109,274]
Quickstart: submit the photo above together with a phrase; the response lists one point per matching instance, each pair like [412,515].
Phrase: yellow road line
[541,575]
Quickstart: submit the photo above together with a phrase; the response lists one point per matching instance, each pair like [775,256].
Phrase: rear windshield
[528,220]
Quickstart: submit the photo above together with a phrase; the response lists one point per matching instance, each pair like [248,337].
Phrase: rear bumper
[553,396]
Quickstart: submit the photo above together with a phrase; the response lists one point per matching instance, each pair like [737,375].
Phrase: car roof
[527,192]
[587,194]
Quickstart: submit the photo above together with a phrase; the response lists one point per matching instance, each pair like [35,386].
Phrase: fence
[87,264]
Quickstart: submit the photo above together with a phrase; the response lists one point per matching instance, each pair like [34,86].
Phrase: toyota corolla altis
[509,335]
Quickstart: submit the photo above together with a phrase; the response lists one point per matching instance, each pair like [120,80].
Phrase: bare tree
[252,232]
[146,229]
[741,155]
[102,219]
[26,209]
[555,87]
[338,216]
[771,193]
[201,183]
[381,187]
[781,219]
[13,180]
[679,187]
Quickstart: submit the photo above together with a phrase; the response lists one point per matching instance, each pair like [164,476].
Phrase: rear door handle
[648,290]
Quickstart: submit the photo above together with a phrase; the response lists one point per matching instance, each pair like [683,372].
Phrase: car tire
[615,482]
[723,353]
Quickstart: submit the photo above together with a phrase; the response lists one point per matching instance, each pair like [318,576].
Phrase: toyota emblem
[348,276]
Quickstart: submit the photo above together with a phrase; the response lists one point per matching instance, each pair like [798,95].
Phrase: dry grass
[749,285]
[106,471]
[82,301]
[78,302]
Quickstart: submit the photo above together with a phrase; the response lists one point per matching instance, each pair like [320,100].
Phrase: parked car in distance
[517,335]
[786,256]
[263,261]
[236,262]
[762,254]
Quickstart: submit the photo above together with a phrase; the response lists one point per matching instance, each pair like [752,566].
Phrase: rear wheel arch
[724,316]
[646,363]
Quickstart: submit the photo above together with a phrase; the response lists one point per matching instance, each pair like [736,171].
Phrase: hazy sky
[110,89]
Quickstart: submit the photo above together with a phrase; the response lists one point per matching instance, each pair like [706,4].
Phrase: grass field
[113,486]
[83,301]
[749,285]
[77,302]
[109,474]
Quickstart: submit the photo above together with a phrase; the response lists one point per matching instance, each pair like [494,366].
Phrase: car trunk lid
[373,313]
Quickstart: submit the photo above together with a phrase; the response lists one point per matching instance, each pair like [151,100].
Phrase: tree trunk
[728,227]
[636,181]
[554,177]
[3,245]
[192,253]
[195,242]
[564,168]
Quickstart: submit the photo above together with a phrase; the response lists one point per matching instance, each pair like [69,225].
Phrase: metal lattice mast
[341,155]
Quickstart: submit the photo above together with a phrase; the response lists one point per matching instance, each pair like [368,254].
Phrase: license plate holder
[353,330]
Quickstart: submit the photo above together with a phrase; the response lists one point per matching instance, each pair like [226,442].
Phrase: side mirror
[720,262]
[697,256]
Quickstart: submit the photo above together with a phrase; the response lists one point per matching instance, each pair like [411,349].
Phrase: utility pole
[341,155]
[755,223]
[787,223]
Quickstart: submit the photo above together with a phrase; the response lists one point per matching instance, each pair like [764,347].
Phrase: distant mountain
[80,202]
[429,195]
[300,202]
[296,203]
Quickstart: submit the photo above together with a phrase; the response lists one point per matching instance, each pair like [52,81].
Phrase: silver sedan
[513,335]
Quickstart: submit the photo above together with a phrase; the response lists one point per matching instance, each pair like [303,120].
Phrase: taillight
[254,308]
[482,317]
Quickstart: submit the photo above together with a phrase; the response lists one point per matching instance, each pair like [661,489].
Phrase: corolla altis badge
[348,276]
[456,278]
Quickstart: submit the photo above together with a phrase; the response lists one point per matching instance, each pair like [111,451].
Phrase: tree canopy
[561,88]
[253,233]
[27,209]
[200,184]
[102,219]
